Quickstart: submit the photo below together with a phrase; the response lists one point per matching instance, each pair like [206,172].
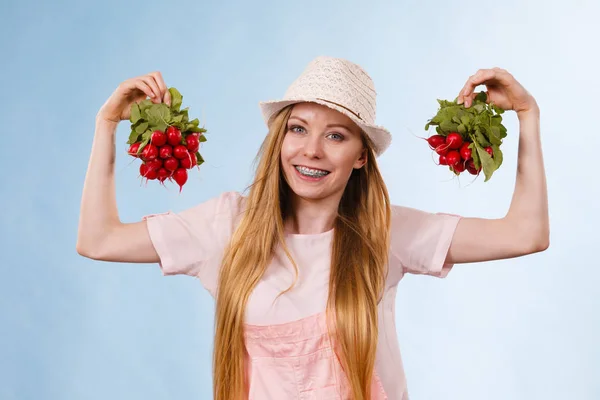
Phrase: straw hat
[338,84]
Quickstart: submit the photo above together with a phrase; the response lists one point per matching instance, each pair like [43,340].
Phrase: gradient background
[72,328]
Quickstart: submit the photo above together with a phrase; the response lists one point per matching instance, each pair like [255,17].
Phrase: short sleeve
[192,242]
[419,241]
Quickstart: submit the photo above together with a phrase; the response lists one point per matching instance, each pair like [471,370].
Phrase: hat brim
[379,135]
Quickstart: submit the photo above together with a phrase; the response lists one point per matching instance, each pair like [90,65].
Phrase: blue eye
[339,137]
[291,128]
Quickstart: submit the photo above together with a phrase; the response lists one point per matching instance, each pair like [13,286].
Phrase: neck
[308,216]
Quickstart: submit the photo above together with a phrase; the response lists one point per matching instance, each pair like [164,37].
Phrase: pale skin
[321,138]
[525,228]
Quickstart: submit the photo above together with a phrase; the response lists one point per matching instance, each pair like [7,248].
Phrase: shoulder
[230,202]
[222,208]
[410,225]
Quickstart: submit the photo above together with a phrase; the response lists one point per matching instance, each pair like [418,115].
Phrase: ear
[362,160]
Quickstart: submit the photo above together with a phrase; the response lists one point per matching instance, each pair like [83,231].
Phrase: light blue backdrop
[72,328]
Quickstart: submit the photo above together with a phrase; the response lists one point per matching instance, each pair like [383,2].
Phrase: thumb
[468,100]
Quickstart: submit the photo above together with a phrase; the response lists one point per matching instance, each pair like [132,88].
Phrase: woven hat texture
[340,85]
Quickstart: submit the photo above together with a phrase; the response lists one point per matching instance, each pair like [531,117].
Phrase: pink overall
[289,354]
[295,360]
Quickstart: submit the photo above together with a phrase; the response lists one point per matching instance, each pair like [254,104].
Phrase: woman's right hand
[118,106]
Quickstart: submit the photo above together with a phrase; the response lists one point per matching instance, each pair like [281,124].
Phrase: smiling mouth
[311,172]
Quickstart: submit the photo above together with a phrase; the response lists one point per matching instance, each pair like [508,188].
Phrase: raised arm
[525,227]
[101,234]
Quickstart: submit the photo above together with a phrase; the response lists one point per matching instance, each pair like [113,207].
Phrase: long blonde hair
[357,277]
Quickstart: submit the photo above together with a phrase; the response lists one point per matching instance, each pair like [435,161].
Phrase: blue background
[73,328]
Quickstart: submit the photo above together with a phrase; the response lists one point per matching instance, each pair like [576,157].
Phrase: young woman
[304,269]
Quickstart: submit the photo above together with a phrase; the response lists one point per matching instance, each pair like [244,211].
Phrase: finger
[164,92]
[152,83]
[143,86]
[470,98]
[475,80]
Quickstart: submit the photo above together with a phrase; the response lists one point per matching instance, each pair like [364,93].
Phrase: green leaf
[193,128]
[133,137]
[497,109]
[475,155]
[199,159]
[448,126]
[480,138]
[135,114]
[141,128]
[176,98]
[498,156]
[481,96]
[195,122]
[185,113]
[462,129]
[202,138]
[496,120]
[495,135]
[145,104]
[479,108]
[145,139]
[159,116]
[488,164]
[465,119]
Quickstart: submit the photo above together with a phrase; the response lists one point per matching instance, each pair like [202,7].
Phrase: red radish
[442,149]
[194,160]
[465,151]
[471,167]
[147,172]
[180,151]
[133,149]
[143,169]
[443,160]
[163,174]
[186,162]
[453,157]
[454,141]
[165,151]
[435,141]
[151,174]
[155,164]
[460,167]
[173,136]
[180,176]
[158,138]
[171,164]
[150,152]
[490,151]
[193,144]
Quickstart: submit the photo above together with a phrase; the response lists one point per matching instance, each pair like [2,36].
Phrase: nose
[313,147]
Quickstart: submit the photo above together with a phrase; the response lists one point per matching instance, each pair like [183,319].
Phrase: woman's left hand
[502,89]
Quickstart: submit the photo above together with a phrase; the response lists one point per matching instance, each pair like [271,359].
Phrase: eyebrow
[328,125]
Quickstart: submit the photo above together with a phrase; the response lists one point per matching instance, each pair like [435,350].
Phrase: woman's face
[320,149]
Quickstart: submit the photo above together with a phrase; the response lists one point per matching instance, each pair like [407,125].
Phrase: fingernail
[460,100]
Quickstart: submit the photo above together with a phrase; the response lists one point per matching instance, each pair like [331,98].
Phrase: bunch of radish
[165,140]
[468,138]
[456,153]
[168,155]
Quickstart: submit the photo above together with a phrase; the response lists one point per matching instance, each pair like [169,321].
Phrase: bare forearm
[98,204]
[528,210]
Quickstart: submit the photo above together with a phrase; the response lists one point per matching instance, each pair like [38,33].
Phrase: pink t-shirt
[289,353]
